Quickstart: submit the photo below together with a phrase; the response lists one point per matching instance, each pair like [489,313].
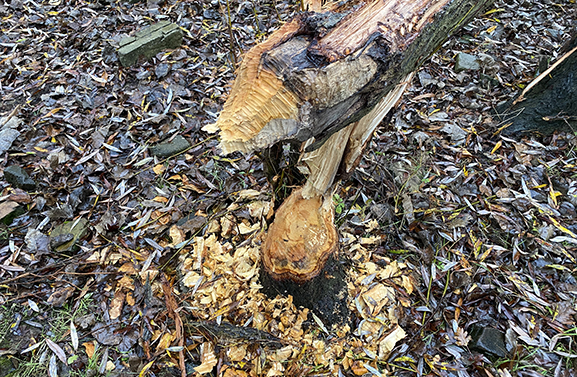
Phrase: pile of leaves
[116,259]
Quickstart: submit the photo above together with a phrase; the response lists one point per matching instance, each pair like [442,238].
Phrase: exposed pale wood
[323,163]
[363,129]
[344,148]
[257,98]
[301,238]
[321,72]
[303,235]
[327,80]
[398,22]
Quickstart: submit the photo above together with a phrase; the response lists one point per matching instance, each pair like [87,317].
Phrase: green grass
[56,323]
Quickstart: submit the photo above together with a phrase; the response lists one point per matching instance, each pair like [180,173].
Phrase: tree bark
[327,79]
[548,103]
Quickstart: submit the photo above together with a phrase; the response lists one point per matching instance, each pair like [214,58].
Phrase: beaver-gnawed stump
[300,257]
[325,80]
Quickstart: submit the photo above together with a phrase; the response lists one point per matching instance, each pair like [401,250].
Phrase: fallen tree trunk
[327,79]
[548,103]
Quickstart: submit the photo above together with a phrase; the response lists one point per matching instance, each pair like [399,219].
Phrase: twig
[231,36]
[255,18]
[542,75]
[10,116]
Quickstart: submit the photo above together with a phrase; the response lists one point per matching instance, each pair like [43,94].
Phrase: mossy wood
[326,79]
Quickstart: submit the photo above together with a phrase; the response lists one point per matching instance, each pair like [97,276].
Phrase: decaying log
[326,79]
[549,102]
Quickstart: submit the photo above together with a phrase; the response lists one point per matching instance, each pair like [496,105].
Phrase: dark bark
[549,103]
[312,79]
[326,293]
[280,167]
[322,72]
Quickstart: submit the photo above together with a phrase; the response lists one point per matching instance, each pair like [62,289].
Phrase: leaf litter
[447,226]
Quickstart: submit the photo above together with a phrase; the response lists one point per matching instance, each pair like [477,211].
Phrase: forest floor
[460,243]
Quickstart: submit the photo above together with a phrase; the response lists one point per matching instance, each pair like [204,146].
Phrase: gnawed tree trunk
[548,103]
[327,79]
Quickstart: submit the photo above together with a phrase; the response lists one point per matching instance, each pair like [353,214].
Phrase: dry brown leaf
[7,208]
[90,348]
[213,227]
[130,299]
[126,282]
[164,342]
[408,283]
[176,235]
[226,226]
[57,350]
[159,169]
[116,305]
[232,372]
[248,194]
[20,196]
[59,297]
[358,368]
[127,268]
[109,366]
[160,199]
[177,177]
[372,225]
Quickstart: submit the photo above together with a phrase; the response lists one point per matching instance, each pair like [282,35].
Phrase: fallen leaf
[58,351]
[73,335]
[164,342]
[59,297]
[89,347]
[176,235]
[7,208]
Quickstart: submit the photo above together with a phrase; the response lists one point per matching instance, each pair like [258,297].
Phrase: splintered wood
[221,283]
[323,71]
[327,79]
[399,22]
[257,97]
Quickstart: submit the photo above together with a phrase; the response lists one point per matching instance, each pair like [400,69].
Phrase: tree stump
[326,79]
